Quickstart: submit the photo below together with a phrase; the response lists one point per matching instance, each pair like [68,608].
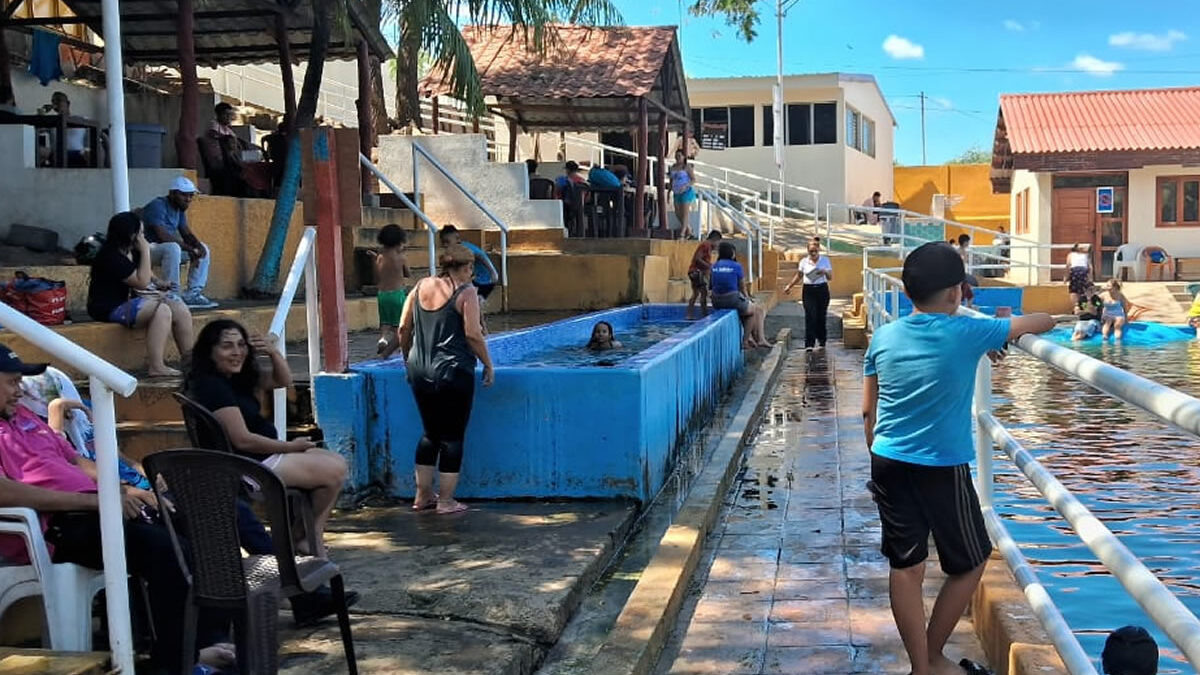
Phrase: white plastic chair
[67,589]
[1129,257]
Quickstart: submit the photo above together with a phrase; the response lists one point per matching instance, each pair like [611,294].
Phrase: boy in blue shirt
[918,381]
[485,272]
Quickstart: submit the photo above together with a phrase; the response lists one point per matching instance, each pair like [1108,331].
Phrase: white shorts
[272,461]
[1087,328]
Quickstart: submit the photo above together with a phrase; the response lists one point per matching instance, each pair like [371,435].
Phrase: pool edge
[1007,628]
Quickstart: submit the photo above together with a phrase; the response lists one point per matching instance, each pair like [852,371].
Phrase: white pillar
[112,527]
[114,77]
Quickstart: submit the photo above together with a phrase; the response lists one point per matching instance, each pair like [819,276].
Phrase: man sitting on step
[167,230]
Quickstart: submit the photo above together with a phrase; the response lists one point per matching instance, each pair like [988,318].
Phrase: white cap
[182,184]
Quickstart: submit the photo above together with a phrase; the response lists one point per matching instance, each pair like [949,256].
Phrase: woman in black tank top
[441,335]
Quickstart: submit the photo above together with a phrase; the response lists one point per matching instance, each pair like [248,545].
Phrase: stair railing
[751,229]
[104,379]
[431,228]
[421,152]
[304,264]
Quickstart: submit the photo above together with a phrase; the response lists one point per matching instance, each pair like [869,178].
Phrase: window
[768,117]
[868,137]
[799,124]
[824,123]
[1022,213]
[853,122]
[724,127]
[1178,201]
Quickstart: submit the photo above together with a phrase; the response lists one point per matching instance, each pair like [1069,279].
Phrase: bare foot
[220,655]
[450,506]
[164,371]
[940,665]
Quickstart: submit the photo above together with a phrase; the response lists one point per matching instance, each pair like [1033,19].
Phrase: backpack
[88,247]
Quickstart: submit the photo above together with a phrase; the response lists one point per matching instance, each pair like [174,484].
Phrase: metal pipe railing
[104,379]
[305,254]
[755,239]
[711,199]
[418,150]
[430,226]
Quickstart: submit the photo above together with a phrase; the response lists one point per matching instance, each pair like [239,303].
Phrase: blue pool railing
[881,292]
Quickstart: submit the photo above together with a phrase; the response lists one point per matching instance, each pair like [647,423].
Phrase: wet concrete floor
[792,581]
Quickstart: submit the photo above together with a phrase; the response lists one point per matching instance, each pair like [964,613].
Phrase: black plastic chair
[205,431]
[204,489]
[541,188]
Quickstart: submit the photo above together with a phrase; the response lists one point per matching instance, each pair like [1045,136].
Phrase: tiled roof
[583,63]
[1103,121]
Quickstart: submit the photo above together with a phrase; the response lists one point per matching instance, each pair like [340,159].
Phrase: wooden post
[285,68]
[189,101]
[660,172]
[365,123]
[643,141]
[512,141]
[437,115]
[321,192]
[6,87]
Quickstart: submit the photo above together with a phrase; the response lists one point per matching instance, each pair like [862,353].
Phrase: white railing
[304,264]
[431,228]
[421,152]
[751,229]
[1169,405]
[104,379]
[998,258]
[247,83]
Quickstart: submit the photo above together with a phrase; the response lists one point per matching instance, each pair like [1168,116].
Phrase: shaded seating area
[624,79]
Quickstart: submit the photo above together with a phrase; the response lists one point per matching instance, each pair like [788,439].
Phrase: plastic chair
[1157,265]
[1129,257]
[541,188]
[67,589]
[205,486]
[205,431]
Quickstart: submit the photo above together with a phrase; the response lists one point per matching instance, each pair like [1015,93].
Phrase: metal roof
[1102,121]
[229,31]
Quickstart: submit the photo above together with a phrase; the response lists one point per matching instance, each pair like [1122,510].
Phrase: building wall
[915,187]
[1178,241]
[1040,218]
[866,174]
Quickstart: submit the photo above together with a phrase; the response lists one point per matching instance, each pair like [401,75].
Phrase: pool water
[634,340]
[1137,475]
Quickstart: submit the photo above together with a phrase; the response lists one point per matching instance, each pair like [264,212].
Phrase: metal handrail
[418,150]
[430,226]
[1169,405]
[103,380]
[304,264]
[708,196]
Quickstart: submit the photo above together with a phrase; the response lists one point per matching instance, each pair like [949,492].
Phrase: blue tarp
[1139,334]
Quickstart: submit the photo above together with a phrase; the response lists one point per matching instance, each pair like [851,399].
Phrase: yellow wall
[915,187]
[235,230]
[558,281]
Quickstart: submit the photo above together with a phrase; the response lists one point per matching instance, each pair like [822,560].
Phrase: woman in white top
[816,272]
[1078,269]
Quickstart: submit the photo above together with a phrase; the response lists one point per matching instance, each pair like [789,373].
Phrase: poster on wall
[1104,200]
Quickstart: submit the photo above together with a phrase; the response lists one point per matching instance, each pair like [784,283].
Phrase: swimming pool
[1139,476]
[560,421]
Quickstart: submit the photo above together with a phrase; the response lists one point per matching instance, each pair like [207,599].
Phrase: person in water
[602,338]
[1088,311]
[1129,650]
[1116,311]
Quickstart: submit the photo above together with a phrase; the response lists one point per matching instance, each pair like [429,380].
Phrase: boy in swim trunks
[698,273]
[392,277]
[917,420]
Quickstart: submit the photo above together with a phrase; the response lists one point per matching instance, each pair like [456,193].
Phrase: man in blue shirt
[918,380]
[485,272]
[167,231]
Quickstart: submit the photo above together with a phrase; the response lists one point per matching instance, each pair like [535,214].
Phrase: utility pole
[779,112]
[922,128]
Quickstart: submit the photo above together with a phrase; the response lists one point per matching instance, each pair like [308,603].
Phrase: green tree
[973,155]
[741,14]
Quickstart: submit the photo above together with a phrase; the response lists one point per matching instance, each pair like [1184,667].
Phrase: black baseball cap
[1130,650]
[9,363]
[931,268]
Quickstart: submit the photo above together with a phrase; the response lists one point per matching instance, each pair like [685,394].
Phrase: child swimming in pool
[602,338]
[1115,314]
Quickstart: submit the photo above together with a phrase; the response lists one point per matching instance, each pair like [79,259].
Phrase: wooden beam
[12,8]
[664,109]
[285,70]
[436,114]
[46,21]
[512,141]
[364,113]
[185,41]
[659,183]
[643,141]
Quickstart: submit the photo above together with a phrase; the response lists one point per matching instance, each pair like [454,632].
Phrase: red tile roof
[1103,121]
[585,63]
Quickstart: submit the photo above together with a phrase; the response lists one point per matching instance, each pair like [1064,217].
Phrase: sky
[962,54]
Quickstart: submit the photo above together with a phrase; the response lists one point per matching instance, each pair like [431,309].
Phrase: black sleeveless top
[440,351]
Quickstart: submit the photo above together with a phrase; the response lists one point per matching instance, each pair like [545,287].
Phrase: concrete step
[137,439]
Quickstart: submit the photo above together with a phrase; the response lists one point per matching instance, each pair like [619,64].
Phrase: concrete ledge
[642,628]
[1008,629]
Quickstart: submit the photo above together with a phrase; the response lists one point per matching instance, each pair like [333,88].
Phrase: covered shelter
[586,79]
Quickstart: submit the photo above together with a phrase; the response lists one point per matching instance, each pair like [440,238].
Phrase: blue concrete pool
[559,422]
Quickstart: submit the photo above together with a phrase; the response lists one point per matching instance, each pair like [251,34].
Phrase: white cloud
[902,48]
[943,103]
[1014,25]
[1149,42]
[1090,64]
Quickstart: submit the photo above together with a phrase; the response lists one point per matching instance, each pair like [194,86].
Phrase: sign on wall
[713,135]
[1104,200]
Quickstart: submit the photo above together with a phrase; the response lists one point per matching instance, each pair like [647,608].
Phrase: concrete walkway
[792,581]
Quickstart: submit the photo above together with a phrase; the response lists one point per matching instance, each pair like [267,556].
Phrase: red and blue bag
[43,300]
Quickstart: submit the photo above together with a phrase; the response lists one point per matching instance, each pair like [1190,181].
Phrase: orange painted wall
[915,187]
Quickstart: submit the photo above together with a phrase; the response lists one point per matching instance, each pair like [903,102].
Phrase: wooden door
[1073,221]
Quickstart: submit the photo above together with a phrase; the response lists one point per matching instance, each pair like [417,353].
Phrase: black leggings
[816,306]
[445,409]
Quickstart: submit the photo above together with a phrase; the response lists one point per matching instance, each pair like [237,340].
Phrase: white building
[839,136]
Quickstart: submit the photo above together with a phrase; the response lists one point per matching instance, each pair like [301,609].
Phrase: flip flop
[430,504]
[973,668]
[458,507]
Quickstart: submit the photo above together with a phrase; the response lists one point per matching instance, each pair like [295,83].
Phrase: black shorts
[699,283]
[484,290]
[915,500]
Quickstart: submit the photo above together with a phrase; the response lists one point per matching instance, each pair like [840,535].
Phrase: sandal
[458,507]
[430,503]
